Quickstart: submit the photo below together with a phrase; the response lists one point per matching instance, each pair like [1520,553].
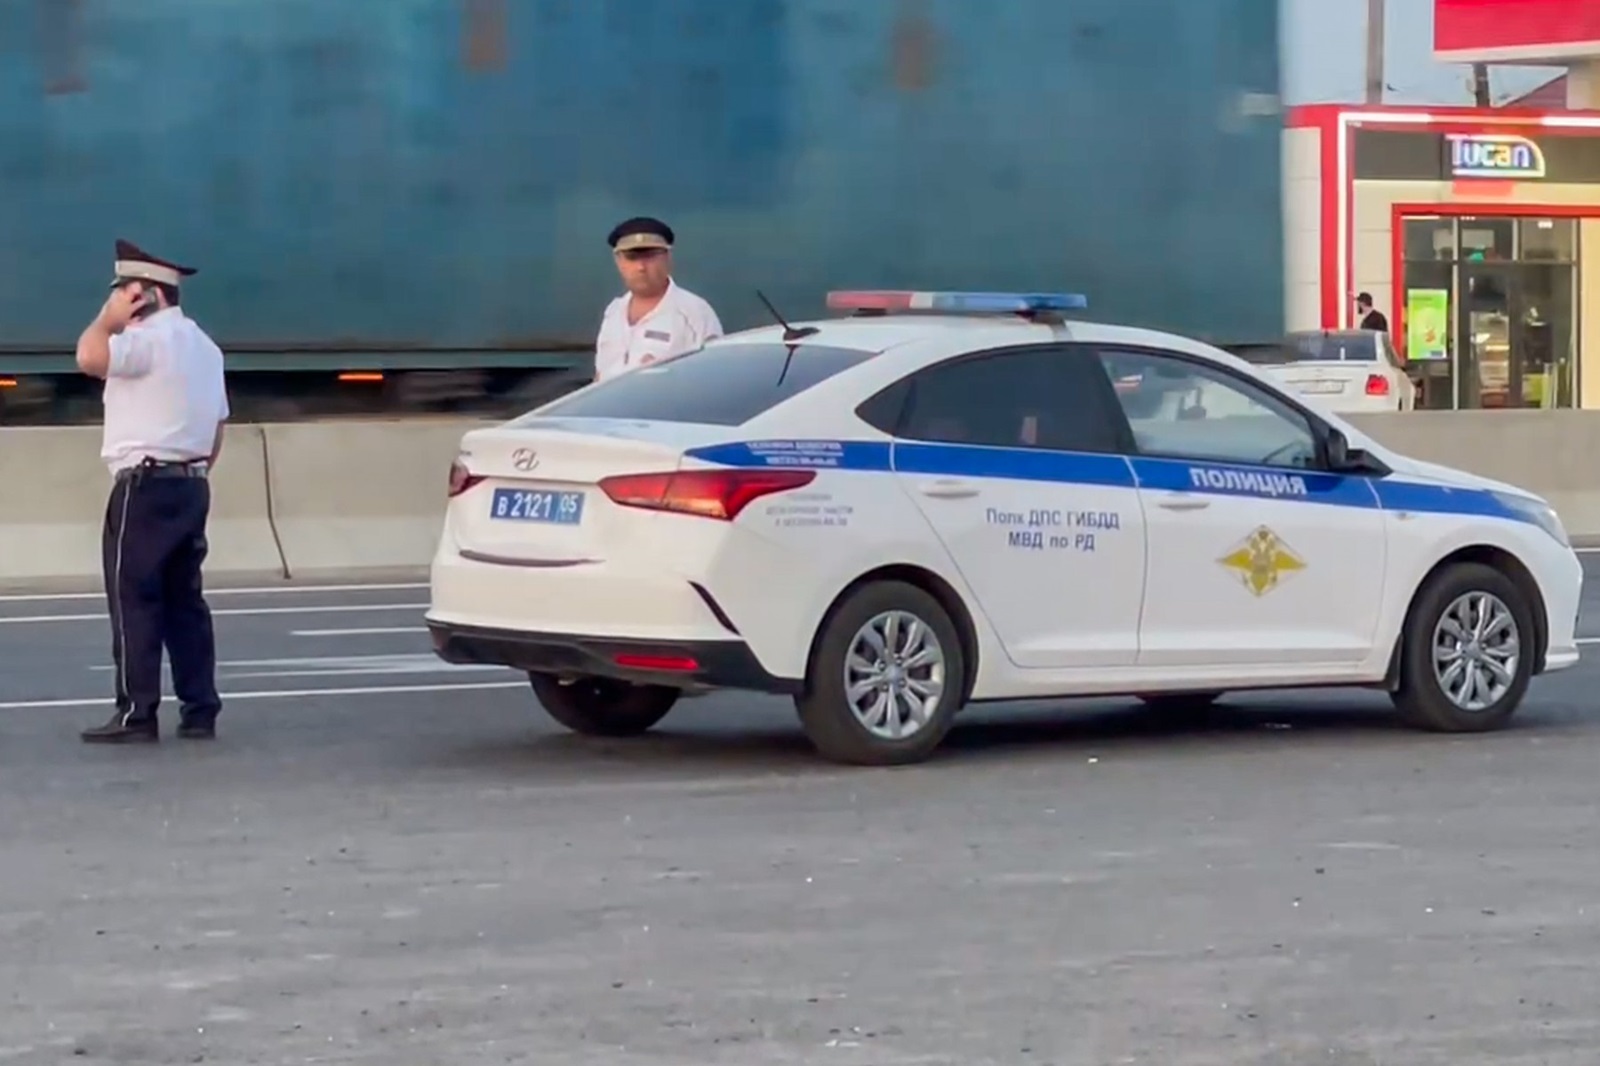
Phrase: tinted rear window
[725,385]
[1337,348]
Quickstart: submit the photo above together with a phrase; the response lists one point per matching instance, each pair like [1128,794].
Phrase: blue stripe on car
[1111,471]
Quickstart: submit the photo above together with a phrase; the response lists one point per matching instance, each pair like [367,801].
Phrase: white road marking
[279,694]
[1587,640]
[50,597]
[35,619]
[425,668]
[370,631]
[333,665]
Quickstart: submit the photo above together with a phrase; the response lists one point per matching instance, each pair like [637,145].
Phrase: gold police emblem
[1262,561]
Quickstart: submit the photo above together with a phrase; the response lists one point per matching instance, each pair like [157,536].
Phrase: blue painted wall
[422,171]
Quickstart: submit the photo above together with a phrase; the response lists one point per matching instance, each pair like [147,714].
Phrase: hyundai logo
[524,459]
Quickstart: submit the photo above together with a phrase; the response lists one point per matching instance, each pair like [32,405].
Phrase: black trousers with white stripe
[152,545]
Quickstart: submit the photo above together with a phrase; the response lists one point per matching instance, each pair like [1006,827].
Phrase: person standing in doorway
[165,407]
[656,318]
[1371,317]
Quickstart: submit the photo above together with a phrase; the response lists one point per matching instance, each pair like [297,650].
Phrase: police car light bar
[956,302]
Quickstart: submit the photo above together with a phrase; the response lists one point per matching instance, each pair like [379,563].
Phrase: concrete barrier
[297,498]
[52,507]
[1553,453]
[349,495]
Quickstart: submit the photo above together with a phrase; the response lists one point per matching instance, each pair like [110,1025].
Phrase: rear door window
[1052,398]
[726,385]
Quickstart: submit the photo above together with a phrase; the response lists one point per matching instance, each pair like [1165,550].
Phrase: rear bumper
[716,663]
[1353,404]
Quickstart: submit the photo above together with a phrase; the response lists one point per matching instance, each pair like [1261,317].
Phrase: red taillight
[1377,385]
[460,479]
[708,493]
[678,663]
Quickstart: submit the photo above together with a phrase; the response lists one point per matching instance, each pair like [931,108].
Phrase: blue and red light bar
[955,302]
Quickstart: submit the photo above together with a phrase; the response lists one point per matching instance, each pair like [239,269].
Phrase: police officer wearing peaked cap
[656,318]
[165,407]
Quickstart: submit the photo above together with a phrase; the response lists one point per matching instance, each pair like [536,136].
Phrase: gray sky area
[1324,48]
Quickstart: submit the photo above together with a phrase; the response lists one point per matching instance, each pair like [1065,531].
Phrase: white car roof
[903,342]
[935,337]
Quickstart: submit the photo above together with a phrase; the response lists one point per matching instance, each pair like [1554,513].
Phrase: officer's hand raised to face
[120,307]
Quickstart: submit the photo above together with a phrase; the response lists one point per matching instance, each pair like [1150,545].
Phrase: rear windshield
[725,385]
[1322,348]
[1336,348]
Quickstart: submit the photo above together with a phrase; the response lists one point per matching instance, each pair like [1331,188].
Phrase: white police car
[891,515]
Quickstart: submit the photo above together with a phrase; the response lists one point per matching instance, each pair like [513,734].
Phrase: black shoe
[197,730]
[122,729]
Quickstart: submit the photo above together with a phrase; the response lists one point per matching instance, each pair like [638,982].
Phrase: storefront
[1469,228]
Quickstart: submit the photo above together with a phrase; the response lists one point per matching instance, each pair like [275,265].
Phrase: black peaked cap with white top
[135,264]
[640,233]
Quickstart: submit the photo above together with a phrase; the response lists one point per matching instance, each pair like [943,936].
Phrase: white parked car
[1352,370]
[950,498]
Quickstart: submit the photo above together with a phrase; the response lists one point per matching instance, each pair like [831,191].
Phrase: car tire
[601,707]
[840,728]
[1430,691]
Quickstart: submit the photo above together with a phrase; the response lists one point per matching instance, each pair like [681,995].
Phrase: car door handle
[1184,502]
[948,489]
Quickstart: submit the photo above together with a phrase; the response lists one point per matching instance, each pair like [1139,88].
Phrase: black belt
[148,467]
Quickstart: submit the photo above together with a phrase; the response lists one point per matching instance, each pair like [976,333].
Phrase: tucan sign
[1493,155]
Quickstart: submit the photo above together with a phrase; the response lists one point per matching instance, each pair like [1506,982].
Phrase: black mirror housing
[1343,459]
[1336,447]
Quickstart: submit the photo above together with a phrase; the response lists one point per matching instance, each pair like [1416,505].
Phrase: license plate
[1320,386]
[537,505]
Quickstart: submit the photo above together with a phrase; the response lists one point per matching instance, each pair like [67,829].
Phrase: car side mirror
[1343,459]
[1337,447]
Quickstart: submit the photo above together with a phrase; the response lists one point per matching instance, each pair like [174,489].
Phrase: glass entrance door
[1484,369]
[1507,288]
[1542,333]
[1514,331]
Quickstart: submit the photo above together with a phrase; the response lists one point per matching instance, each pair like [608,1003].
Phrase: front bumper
[678,663]
[1561,658]
[1560,580]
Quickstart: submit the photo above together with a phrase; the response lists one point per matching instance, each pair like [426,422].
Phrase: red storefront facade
[1476,230]
[1516,31]
[1469,227]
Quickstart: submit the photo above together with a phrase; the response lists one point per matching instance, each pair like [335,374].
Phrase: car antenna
[790,334]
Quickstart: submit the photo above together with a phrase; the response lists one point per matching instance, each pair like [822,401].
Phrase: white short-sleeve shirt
[680,323]
[164,392]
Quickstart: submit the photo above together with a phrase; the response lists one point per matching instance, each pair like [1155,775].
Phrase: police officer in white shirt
[657,318]
[165,406]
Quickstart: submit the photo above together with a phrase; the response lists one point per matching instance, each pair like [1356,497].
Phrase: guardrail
[296,498]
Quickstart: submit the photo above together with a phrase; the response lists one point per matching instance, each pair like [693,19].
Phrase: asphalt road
[387,860]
